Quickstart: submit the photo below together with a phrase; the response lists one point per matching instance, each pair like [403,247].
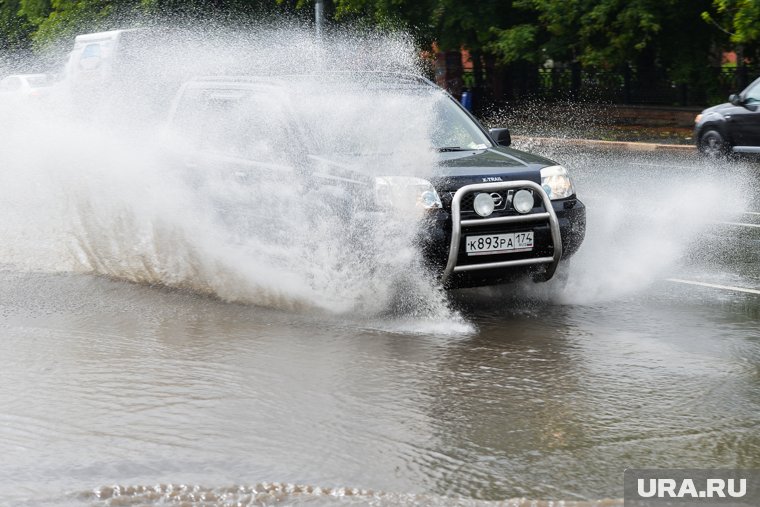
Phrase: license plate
[499,243]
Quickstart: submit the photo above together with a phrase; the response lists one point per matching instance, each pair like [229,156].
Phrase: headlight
[556,182]
[698,118]
[405,193]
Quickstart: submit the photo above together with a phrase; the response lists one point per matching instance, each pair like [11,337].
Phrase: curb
[607,145]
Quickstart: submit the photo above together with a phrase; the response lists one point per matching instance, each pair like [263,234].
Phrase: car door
[745,122]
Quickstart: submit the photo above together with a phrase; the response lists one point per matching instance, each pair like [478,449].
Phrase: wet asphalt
[645,353]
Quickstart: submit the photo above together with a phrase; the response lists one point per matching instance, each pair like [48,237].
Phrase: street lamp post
[319,16]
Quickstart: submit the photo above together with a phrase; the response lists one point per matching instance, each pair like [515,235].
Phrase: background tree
[15,30]
[738,18]
[509,41]
[739,21]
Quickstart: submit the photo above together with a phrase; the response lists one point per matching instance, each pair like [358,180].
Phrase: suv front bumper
[558,226]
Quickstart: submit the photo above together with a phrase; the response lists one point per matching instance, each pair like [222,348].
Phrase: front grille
[542,220]
[466,204]
[468,199]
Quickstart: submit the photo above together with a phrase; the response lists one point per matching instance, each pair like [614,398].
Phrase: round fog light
[483,204]
[523,201]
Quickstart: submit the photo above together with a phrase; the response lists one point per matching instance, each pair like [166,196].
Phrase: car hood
[720,108]
[453,169]
[488,166]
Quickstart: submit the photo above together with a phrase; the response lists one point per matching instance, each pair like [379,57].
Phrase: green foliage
[515,43]
[15,27]
[739,18]
[35,10]
[595,33]
[648,36]
[66,18]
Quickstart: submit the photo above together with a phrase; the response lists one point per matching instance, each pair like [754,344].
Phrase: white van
[121,70]
[94,59]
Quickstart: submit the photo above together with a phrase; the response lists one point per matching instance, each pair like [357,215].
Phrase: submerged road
[646,354]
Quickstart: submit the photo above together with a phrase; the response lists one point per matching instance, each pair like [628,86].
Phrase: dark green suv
[486,212]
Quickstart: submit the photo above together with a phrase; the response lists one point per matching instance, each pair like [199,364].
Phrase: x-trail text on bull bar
[491,213]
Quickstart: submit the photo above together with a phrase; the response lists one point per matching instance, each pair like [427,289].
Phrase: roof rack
[385,77]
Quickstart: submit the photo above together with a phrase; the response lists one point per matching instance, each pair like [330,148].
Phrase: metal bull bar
[457,223]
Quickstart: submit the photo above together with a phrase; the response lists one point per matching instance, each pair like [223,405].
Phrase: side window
[232,123]
[219,125]
[91,51]
[188,118]
[242,127]
[90,58]
[753,95]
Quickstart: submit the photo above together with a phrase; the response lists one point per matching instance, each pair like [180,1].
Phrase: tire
[711,144]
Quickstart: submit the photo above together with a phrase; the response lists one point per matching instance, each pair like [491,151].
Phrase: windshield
[265,124]
[753,94]
[366,122]
[453,128]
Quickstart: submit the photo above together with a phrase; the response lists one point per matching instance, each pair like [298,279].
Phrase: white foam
[92,191]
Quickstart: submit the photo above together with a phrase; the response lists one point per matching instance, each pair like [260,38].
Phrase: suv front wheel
[711,144]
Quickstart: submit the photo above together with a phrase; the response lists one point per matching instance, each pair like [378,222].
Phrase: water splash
[99,188]
[647,218]
[88,189]
[268,493]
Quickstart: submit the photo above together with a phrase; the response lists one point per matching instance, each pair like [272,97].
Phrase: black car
[733,127]
[487,213]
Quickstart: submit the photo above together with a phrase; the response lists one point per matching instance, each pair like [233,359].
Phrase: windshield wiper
[453,148]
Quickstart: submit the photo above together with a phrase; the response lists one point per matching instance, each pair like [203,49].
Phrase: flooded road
[647,356]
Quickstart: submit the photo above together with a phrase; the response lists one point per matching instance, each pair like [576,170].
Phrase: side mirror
[501,136]
[735,99]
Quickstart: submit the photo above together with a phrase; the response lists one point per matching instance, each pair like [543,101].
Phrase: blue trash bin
[467,100]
